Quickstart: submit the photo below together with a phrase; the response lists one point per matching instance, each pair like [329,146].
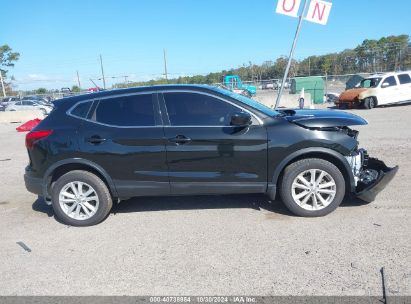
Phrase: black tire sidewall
[369,103]
[295,169]
[105,200]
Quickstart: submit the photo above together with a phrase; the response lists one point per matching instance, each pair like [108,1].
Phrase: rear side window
[391,81]
[128,111]
[404,78]
[82,109]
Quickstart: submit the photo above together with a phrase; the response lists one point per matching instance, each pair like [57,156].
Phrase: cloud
[37,80]
[37,77]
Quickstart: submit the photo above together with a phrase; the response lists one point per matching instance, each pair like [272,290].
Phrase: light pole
[290,57]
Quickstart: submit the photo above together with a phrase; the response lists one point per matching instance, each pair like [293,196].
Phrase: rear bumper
[385,175]
[33,184]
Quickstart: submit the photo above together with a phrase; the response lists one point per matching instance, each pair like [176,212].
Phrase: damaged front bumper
[368,192]
[371,175]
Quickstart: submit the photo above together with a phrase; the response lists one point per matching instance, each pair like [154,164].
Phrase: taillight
[34,136]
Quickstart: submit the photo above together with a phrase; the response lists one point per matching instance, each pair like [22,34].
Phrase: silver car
[27,105]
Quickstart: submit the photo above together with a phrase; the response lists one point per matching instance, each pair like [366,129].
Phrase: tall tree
[7,58]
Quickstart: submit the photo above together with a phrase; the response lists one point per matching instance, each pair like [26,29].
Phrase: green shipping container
[312,85]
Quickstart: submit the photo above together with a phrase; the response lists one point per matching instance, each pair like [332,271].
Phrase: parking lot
[225,245]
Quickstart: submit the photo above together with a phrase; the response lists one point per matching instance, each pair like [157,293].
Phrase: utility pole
[2,84]
[396,61]
[165,65]
[78,80]
[102,72]
[96,86]
[125,81]
[290,57]
[309,66]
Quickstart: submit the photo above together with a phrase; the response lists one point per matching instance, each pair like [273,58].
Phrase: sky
[58,38]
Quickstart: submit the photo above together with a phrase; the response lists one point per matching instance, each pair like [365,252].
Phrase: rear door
[405,86]
[124,135]
[205,154]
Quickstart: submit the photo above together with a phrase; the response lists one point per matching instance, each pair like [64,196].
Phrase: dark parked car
[100,148]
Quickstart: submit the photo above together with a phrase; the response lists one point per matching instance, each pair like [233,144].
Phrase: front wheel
[246,94]
[369,103]
[80,198]
[312,187]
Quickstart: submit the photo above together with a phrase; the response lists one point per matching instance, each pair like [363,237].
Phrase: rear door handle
[180,139]
[95,139]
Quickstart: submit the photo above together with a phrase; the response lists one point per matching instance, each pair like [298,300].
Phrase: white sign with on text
[319,11]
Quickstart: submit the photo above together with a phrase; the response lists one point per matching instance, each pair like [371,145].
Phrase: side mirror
[241,119]
[385,84]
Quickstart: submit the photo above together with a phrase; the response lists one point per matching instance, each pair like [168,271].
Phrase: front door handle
[180,139]
[95,139]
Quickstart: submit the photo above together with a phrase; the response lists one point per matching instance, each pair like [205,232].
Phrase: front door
[389,91]
[205,154]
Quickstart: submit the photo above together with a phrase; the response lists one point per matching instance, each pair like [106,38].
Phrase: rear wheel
[370,103]
[80,198]
[246,93]
[312,187]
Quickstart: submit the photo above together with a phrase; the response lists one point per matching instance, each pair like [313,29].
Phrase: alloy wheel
[313,189]
[78,200]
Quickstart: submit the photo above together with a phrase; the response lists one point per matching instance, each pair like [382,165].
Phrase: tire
[44,111]
[94,207]
[304,168]
[370,103]
[246,94]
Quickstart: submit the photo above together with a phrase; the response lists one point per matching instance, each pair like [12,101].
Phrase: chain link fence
[332,84]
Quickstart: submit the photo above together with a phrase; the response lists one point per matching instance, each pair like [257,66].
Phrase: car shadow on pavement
[247,201]
[203,202]
[353,202]
[395,105]
[40,206]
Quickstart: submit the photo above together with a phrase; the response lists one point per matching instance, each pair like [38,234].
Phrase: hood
[351,95]
[323,118]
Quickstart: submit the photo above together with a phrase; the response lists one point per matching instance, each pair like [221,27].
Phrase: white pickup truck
[378,89]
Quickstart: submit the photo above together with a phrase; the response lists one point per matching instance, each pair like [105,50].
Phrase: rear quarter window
[81,110]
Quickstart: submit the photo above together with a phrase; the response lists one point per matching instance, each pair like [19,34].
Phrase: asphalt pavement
[212,245]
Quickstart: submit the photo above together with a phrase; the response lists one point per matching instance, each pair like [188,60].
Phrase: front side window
[370,82]
[127,111]
[247,101]
[404,78]
[389,82]
[191,109]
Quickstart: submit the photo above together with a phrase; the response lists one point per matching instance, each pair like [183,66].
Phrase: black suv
[185,140]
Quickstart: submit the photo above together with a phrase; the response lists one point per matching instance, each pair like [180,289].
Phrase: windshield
[248,101]
[370,82]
